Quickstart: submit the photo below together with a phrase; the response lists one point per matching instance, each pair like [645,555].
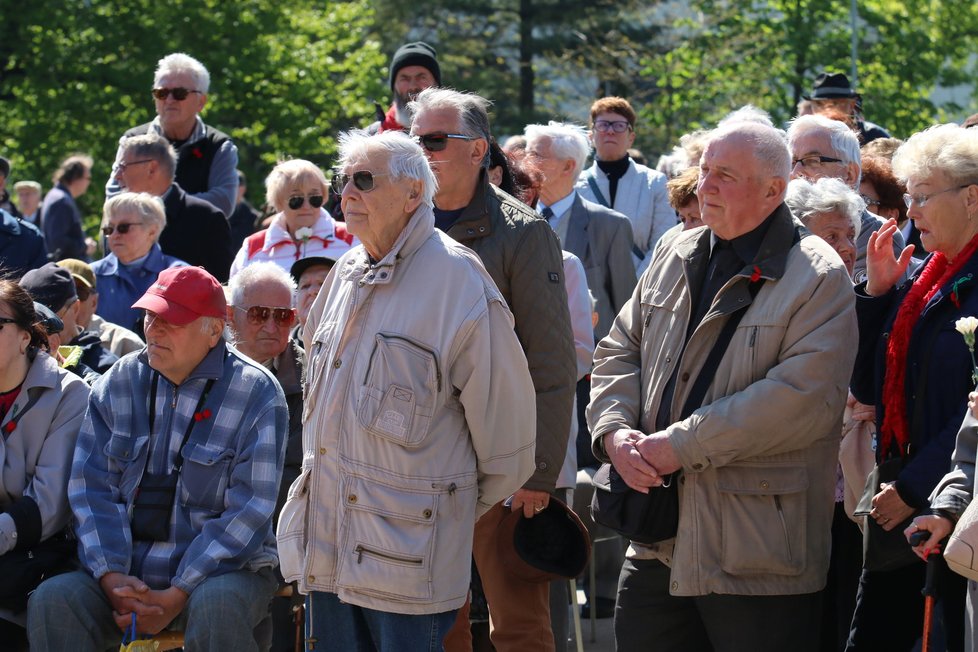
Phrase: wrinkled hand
[166,605]
[126,594]
[622,448]
[883,269]
[530,501]
[657,451]
[938,526]
[889,510]
[860,411]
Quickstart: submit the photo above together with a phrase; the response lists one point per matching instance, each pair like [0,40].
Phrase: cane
[930,584]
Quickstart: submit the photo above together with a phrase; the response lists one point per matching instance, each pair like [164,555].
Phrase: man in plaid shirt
[173,487]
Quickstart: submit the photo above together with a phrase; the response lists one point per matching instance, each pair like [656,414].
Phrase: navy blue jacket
[938,375]
[21,246]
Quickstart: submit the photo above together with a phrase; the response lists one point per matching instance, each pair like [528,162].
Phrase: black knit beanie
[418,53]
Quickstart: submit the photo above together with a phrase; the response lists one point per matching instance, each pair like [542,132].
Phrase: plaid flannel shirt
[225,497]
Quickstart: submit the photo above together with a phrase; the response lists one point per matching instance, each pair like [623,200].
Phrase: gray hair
[289,173]
[149,208]
[747,113]
[845,143]
[567,141]
[768,145]
[405,158]
[177,63]
[472,111]
[260,272]
[152,146]
[949,148]
[827,195]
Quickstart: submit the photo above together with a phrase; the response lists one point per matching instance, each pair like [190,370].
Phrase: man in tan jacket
[757,451]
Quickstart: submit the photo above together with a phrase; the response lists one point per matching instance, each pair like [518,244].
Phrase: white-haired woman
[132,223]
[831,210]
[916,369]
[302,227]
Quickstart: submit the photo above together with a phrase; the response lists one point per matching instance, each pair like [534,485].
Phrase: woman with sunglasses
[301,227]
[41,410]
[132,223]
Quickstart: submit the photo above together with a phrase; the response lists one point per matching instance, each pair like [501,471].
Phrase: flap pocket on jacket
[291,531]
[121,451]
[388,541]
[763,519]
[204,476]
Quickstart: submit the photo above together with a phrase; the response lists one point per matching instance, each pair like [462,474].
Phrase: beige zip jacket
[419,414]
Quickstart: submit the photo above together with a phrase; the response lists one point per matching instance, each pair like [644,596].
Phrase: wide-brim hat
[830,86]
[554,544]
[182,294]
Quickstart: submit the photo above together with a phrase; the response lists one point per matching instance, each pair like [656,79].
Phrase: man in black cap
[832,91]
[413,69]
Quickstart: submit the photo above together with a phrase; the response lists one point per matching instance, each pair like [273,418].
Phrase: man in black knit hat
[414,68]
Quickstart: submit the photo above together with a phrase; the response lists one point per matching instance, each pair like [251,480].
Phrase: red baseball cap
[182,294]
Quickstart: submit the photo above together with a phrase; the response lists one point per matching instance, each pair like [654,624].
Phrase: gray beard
[401,110]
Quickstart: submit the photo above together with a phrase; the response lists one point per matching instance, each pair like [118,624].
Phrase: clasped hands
[641,460]
[154,609]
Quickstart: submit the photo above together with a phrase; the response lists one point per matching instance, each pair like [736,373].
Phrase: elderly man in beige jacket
[419,415]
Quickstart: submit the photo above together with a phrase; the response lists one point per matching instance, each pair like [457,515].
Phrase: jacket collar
[475,221]
[418,230]
[200,130]
[44,372]
[154,262]
[9,223]
[211,367]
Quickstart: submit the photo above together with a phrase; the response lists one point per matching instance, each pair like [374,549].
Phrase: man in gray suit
[599,236]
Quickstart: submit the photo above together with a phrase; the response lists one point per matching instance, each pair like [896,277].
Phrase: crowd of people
[383,402]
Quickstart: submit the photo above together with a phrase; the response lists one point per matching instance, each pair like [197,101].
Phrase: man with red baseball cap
[173,487]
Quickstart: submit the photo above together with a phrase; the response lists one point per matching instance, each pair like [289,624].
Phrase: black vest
[194,158]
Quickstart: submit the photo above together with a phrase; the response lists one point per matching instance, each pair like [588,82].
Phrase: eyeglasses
[121,166]
[871,202]
[921,200]
[438,141]
[179,93]
[295,203]
[617,126]
[362,179]
[258,315]
[121,228]
[814,161]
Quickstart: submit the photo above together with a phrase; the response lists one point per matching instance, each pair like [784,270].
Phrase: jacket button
[312,578]
[469,231]
[765,484]
[383,275]
[482,229]
[685,377]
[322,451]
[668,359]
[675,586]
[352,498]
[426,513]
[542,466]
[337,363]
[697,467]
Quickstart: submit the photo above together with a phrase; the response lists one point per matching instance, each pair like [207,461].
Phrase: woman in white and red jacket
[301,227]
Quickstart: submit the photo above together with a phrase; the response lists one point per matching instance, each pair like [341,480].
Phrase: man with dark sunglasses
[207,159]
[522,254]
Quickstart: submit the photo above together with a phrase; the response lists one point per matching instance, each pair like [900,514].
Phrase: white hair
[178,62]
[845,143]
[255,273]
[827,195]
[148,208]
[405,158]
[768,145]
[949,148]
[472,111]
[747,113]
[567,141]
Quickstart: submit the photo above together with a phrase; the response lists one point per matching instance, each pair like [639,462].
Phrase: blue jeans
[335,625]
[70,613]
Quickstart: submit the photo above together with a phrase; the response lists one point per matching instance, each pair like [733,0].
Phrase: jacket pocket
[204,476]
[400,389]
[763,519]
[291,532]
[389,536]
[122,452]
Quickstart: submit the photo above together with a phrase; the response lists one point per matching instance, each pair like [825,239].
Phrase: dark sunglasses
[258,315]
[362,179]
[179,93]
[121,228]
[295,203]
[438,141]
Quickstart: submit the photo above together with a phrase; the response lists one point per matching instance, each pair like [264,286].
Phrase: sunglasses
[295,203]
[179,93]
[362,179]
[258,315]
[436,142]
[121,228]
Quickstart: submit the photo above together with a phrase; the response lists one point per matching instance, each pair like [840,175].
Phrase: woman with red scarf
[915,367]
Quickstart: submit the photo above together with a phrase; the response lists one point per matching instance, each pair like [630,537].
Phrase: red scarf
[936,274]
[390,122]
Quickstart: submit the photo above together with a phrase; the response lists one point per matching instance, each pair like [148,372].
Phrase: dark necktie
[547,214]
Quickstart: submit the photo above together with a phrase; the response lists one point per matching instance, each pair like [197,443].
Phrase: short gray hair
[747,113]
[152,146]
[472,111]
[405,158]
[149,208]
[768,145]
[260,272]
[949,148]
[288,173]
[845,143]
[177,63]
[567,141]
[827,195]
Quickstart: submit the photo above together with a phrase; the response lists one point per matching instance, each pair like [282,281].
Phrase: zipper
[784,525]
[361,550]
[426,349]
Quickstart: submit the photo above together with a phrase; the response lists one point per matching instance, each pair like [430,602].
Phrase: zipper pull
[359,551]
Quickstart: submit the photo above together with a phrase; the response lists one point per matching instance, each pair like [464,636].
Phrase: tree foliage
[285,78]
